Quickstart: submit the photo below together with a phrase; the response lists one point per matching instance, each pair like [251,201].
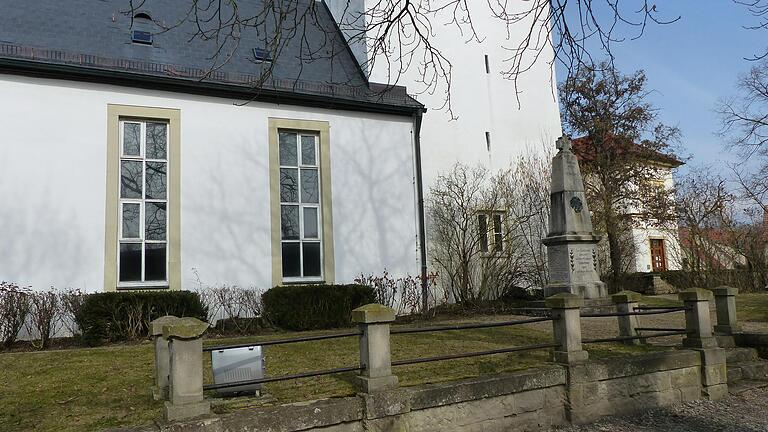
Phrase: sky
[690,65]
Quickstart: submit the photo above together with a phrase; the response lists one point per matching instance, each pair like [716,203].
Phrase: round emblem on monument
[576,204]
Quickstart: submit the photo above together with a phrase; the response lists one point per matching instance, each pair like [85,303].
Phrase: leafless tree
[485,230]
[723,238]
[759,10]
[626,153]
[526,187]
[399,35]
[745,128]
[704,208]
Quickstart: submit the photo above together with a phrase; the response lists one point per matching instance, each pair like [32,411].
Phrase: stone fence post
[375,357]
[566,322]
[725,302]
[626,302]
[698,323]
[186,370]
[162,356]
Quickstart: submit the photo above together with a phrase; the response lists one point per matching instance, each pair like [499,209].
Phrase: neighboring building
[726,249]
[710,249]
[654,247]
[127,163]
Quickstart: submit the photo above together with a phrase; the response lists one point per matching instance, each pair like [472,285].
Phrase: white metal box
[238,364]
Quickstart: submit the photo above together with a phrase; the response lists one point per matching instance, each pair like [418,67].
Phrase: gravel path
[745,412]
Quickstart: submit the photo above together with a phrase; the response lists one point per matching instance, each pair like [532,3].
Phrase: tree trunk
[615,247]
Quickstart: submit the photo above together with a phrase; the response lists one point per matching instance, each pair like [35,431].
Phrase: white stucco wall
[519,119]
[52,185]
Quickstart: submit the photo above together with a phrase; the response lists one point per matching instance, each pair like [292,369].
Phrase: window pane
[130,262]
[154,221]
[157,140]
[154,267]
[311,259]
[482,228]
[156,180]
[131,219]
[309,186]
[131,139]
[289,185]
[308,150]
[288,149]
[291,264]
[289,222]
[497,234]
[310,222]
[130,179]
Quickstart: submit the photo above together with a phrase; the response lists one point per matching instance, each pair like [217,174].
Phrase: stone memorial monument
[571,243]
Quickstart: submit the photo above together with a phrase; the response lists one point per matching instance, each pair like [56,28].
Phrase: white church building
[126,162]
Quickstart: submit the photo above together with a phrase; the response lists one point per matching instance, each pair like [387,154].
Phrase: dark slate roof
[96,35]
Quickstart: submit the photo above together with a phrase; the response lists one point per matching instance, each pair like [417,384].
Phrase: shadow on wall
[41,245]
[371,189]
[225,214]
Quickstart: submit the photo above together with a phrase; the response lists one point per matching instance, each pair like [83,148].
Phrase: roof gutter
[180,85]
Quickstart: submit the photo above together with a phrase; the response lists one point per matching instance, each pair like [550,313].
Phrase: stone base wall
[608,387]
[531,400]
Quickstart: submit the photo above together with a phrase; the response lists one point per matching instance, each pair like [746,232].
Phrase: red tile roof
[584,150]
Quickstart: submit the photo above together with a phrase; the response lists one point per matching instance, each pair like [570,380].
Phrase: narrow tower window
[488,141]
[487,65]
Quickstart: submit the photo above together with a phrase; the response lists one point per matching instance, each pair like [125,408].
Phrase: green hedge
[313,307]
[121,316]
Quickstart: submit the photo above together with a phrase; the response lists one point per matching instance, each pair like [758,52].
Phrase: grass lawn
[95,388]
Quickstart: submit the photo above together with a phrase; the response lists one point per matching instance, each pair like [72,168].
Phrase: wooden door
[658,257]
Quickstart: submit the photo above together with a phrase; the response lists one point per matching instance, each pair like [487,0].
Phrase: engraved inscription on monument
[559,267]
[583,258]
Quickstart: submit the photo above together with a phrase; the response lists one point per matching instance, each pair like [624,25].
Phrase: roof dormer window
[141,32]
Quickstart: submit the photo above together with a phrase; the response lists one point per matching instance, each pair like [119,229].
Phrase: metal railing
[641,310]
[394,363]
[288,376]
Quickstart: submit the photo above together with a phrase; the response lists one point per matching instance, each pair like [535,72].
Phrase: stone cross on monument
[571,242]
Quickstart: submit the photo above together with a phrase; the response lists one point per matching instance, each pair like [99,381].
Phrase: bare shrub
[44,316]
[14,307]
[71,303]
[403,294]
[250,299]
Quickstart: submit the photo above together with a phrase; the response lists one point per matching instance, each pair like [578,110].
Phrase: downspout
[417,117]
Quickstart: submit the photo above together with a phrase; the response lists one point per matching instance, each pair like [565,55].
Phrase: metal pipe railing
[474,354]
[469,326]
[283,377]
[285,341]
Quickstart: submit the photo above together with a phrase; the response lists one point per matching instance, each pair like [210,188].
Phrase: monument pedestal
[573,266]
